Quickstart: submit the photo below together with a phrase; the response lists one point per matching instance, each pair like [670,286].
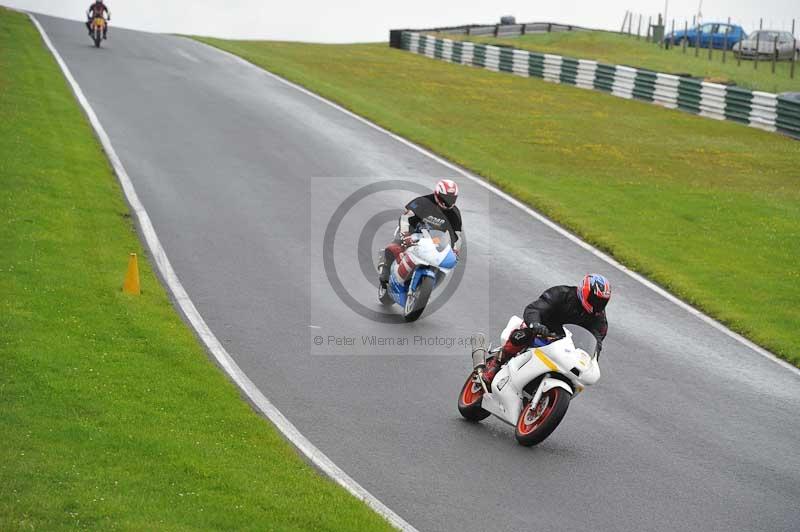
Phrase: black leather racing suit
[560,305]
[556,307]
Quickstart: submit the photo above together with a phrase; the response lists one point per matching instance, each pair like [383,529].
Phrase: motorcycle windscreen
[442,241]
[440,238]
[582,339]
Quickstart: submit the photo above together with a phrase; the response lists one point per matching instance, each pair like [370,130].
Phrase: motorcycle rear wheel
[470,399]
[535,425]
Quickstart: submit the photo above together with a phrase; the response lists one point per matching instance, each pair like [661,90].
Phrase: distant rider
[97,10]
[582,305]
[438,210]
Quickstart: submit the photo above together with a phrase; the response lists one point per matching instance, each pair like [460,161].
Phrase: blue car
[710,34]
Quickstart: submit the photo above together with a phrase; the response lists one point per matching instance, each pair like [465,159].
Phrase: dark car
[710,34]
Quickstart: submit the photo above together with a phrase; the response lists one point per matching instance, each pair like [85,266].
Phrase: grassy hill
[615,49]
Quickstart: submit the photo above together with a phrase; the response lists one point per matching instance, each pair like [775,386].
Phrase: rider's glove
[406,240]
[539,329]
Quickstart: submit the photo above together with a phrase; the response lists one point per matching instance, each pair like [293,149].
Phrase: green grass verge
[112,415]
[615,49]
[708,209]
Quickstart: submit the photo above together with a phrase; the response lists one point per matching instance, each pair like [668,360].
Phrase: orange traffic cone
[131,284]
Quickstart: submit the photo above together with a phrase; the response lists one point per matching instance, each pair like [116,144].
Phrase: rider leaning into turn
[97,10]
[582,305]
[438,210]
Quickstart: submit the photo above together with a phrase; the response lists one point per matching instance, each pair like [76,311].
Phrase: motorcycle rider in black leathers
[437,210]
[582,305]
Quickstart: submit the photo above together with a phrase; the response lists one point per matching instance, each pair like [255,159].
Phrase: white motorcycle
[533,390]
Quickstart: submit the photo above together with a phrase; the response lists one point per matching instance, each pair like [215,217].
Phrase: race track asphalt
[241,174]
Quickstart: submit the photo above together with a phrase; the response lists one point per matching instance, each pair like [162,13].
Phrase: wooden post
[630,22]
[761,23]
[522,31]
[649,26]
[725,42]
[710,46]
[639,29]
[624,20]
[758,49]
[774,53]
[672,35]
[794,54]
[739,55]
[697,41]
[685,34]
[496,30]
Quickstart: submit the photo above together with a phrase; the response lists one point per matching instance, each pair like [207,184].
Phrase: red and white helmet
[446,193]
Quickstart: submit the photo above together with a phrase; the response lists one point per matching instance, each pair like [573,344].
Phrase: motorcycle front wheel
[537,422]
[417,300]
[470,399]
[97,38]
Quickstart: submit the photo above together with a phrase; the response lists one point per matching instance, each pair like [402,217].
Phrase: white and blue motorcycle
[423,266]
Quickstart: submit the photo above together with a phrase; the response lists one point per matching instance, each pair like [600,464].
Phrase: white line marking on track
[199,325]
[538,216]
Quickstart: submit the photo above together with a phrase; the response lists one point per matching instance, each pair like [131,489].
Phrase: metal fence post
[649,25]
[639,28]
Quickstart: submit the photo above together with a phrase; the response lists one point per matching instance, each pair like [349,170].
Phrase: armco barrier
[720,102]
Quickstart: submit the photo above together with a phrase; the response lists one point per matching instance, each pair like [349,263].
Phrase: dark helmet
[446,193]
[594,293]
